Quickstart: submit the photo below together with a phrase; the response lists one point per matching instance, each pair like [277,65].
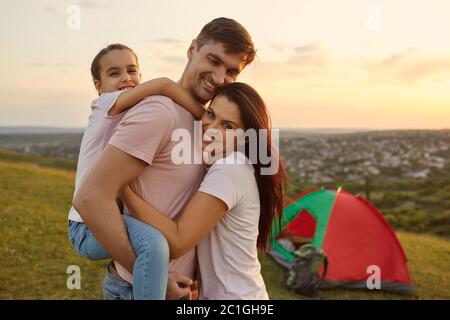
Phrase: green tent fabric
[352,233]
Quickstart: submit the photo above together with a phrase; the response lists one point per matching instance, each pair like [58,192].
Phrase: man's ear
[191,49]
[97,84]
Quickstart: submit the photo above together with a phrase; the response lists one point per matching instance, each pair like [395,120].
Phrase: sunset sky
[321,64]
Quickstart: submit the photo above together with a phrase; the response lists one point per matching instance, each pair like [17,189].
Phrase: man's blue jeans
[152,257]
[116,288]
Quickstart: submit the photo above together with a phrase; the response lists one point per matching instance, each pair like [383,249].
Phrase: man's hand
[178,286]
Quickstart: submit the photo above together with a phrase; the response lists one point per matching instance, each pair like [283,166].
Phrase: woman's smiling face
[221,115]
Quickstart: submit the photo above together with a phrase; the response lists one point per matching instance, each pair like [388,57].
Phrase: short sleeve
[225,182]
[145,129]
[106,100]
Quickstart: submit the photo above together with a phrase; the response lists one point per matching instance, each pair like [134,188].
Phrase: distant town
[311,156]
[391,154]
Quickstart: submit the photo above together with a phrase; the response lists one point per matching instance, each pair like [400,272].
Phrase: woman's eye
[227,126]
[210,114]
[114,74]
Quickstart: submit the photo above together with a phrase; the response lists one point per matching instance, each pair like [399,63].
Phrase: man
[139,152]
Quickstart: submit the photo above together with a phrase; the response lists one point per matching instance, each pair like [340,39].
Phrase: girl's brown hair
[95,65]
[271,187]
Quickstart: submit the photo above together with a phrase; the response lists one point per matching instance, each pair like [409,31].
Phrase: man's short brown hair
[231,33]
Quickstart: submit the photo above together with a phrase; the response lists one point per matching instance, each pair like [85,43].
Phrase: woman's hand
[125,192]
[127,195]
[178,286]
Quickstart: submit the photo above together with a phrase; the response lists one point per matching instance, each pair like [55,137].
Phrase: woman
[231,215]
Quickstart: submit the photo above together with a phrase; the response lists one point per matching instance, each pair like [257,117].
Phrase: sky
[320,64]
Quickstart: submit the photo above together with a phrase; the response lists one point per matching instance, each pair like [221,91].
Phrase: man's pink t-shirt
[145,133]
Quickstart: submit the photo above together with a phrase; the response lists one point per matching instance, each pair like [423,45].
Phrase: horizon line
[281,128]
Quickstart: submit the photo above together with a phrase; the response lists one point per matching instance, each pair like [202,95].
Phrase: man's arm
[95,201]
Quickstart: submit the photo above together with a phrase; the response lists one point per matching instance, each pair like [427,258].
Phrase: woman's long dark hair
[272,187]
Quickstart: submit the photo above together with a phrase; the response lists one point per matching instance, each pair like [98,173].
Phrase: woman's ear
[191,49]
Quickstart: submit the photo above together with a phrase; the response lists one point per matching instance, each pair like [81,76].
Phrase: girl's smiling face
[119,70]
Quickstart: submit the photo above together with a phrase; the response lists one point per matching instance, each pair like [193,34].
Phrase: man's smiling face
[211,67]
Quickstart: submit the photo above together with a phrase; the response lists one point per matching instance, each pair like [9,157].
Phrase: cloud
[52,65]
[83,4]
[424,69]
[315,65]
[396,58]
[281,47]
[167,41]
[166,56]
[91,4]
[406,67]
[309,55]
[170,51]
[50,8]
[177,60]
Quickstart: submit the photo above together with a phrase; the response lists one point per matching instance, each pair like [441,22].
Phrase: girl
[116,76]
[231,215]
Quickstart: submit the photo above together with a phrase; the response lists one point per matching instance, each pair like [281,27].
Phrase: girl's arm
[161,86]
[201,214]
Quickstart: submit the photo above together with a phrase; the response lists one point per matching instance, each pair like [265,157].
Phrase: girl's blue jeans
[151,266]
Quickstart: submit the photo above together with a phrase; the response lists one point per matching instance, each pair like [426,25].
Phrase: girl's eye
[114,74]
[227,126]
[210,114]
[132,71]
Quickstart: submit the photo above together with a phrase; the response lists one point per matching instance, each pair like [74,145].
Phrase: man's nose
[219,77]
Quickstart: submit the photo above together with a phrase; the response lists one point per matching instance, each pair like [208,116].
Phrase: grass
[35,251]
[44,161]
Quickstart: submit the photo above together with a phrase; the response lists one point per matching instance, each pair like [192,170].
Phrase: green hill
[35,197]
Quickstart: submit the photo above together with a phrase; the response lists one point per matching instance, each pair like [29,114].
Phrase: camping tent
[353,235]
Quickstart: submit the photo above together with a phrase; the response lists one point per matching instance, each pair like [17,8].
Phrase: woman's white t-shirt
[227,256]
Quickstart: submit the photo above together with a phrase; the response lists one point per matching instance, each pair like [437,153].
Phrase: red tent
[353,235]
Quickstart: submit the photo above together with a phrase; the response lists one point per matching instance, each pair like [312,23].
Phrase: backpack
[303,275]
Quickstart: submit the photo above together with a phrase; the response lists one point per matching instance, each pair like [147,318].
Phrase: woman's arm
[201,214]
[161,86]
